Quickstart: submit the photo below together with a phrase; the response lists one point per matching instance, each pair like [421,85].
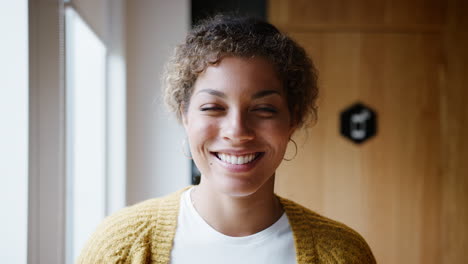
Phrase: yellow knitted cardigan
[144,233]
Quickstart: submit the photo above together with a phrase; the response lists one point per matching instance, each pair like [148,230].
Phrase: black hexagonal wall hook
[358,123]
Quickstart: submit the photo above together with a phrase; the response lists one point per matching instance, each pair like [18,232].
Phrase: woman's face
[238,125]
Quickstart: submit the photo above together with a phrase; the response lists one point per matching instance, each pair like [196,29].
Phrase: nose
[238,128]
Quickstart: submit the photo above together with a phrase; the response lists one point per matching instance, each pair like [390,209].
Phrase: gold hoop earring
[295,153]
[184,147]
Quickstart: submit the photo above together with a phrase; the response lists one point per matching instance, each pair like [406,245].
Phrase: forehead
[236,75]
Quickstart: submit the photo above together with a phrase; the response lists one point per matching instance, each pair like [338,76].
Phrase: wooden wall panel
[390,186]
[406,190]
[383,13]
[454,110]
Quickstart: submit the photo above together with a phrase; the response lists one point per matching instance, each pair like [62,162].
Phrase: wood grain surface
[404,190]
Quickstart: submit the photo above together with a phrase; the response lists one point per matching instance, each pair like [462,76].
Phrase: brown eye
[265,111]
[209,108]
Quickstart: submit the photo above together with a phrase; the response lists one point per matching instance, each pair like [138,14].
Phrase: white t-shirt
[197,242]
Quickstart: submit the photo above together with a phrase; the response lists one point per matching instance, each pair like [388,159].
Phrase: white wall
[13,130]
[155,163]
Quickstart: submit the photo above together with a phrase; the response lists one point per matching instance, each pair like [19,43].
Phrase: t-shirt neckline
[258,237]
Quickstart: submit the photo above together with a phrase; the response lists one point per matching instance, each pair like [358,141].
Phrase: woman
[240,88]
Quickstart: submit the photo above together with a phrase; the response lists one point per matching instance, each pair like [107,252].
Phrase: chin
[241,188]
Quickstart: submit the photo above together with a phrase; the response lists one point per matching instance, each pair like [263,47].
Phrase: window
[86,132]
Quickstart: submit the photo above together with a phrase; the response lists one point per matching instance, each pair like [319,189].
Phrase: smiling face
[238,125]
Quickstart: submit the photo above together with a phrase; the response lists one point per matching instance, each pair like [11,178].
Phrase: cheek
[281,142]
[200,132]
[278,128]
[278,133]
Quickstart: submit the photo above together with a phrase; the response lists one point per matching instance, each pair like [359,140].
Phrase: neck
[237,216]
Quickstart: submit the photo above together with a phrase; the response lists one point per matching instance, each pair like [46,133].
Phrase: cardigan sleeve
[111,242]
[319,239]
[139,234]
[344,248]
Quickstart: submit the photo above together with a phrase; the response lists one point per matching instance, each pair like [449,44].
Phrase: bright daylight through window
[86,132]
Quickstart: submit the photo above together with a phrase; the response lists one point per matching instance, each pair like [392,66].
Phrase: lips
[238,159]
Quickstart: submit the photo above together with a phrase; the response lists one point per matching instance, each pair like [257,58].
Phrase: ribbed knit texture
[144,233]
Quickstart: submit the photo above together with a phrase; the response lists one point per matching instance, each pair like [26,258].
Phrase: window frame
[47,157]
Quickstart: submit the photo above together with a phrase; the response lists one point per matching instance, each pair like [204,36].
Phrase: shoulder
[325,239]
[131,232]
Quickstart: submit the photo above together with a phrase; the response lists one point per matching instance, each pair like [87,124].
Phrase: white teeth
[238,160]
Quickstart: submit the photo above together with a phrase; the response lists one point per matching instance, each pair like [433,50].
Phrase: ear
[183,115]
[292,129]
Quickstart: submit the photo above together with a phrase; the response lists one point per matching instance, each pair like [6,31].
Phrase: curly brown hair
[228,35]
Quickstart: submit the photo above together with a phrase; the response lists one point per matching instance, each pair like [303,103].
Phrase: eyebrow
[213,92]
[265,93]
[255,96]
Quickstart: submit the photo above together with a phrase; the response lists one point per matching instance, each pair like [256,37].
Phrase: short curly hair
[229,35]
